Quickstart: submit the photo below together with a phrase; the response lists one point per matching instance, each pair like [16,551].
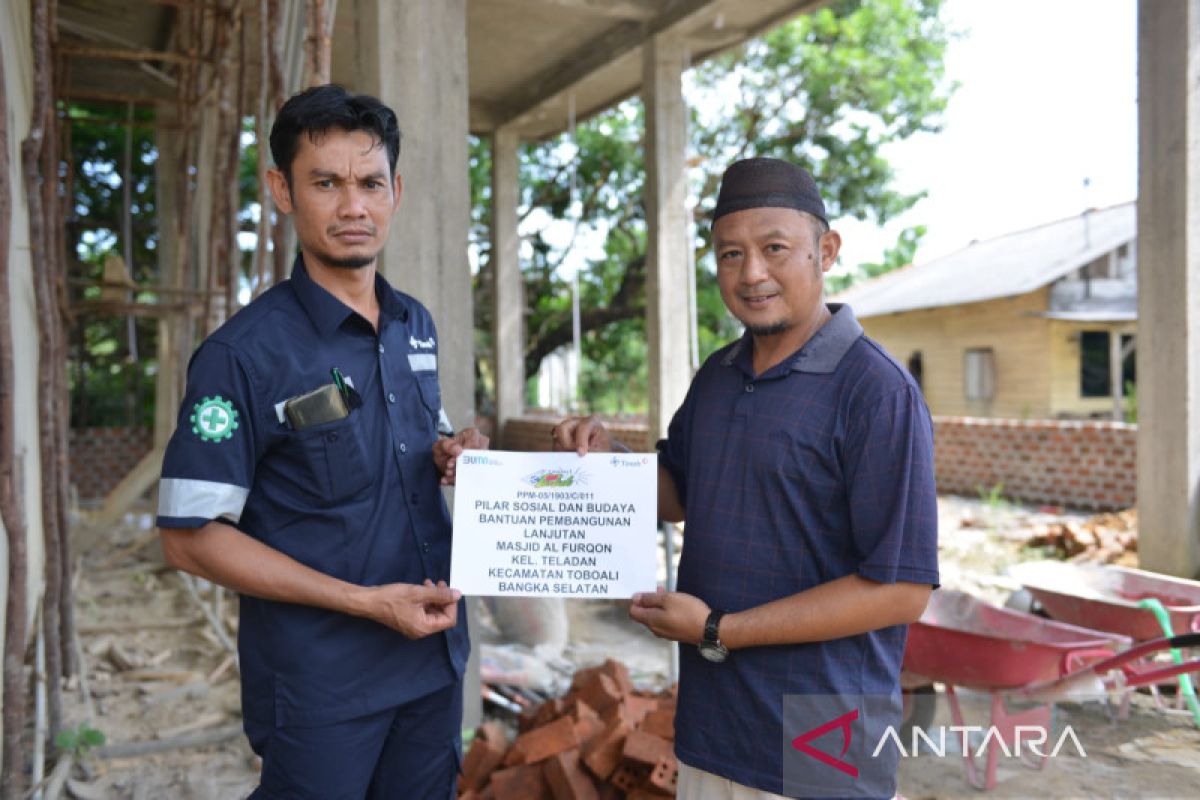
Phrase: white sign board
[555,524]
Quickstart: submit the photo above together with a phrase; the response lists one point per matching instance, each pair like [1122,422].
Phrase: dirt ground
[156,672]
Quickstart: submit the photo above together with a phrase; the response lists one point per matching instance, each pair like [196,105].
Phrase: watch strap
[712,627]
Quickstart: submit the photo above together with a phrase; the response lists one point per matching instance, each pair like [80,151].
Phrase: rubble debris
[602,739]
[1104,539]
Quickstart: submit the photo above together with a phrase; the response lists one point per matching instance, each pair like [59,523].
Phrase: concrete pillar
[508,295]
[667,311]
[1168,351]
[412,54]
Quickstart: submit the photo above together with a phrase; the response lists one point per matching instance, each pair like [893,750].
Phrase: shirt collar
[326,311]
[820,354]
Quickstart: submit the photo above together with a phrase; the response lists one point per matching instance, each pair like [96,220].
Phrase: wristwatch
[710,646]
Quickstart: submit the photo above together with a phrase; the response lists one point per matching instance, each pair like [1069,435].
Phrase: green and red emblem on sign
[555,479]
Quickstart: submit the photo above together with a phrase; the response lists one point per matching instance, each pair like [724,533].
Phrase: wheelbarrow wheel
[920,706]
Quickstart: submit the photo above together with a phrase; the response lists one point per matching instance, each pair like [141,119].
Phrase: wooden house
[1039,323]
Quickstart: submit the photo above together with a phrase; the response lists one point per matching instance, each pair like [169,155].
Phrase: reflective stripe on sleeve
[444,425]
[185,497]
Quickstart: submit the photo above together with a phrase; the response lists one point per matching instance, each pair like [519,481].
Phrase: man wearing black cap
[802,461]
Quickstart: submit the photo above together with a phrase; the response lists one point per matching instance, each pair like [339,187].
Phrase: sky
[1047,100]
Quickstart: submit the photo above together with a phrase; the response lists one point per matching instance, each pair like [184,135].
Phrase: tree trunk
[49,276]
[260,137]
[66,610]
[279,231]
[317,44]
[12,512]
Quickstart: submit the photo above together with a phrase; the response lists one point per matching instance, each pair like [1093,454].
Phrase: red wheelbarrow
[1106,598]
[1138,604]
[962,641]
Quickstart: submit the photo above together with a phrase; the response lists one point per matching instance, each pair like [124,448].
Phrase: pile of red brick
[601,741]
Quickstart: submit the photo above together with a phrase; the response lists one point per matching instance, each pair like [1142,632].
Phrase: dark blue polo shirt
[357,498]
[819,468]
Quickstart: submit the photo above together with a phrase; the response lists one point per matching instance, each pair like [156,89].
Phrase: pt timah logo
[842,723]
[421,344]
[214,419]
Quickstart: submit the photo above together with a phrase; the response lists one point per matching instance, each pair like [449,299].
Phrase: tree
[112,364]
[828,90]
[112,382]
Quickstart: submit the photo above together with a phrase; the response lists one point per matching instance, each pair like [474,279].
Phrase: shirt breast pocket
[337,456]
[431,396]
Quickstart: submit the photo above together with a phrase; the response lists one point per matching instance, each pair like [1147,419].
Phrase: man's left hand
[447,449]
[671,615]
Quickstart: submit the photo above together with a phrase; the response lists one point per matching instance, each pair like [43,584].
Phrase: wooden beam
[135,484]
[639,10]
[205,5]
[125,53]
[112,97]
[109,309]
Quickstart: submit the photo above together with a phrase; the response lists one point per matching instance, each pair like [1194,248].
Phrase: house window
[1095,363]
[979,374]
[916,368]
[1095,378]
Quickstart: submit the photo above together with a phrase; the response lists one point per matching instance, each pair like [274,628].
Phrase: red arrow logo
[801,742]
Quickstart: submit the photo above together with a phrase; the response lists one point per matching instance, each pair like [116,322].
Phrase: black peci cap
[768,183]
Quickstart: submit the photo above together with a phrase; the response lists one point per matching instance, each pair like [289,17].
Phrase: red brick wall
[1078,464]
[1090,465]
[101,457]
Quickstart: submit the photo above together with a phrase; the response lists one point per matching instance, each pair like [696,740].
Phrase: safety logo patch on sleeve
[214,419]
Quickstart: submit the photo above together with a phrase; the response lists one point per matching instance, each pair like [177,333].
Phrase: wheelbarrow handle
[1133,679]
[1100,668]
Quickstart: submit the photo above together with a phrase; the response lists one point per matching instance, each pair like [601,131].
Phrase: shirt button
[391,397]
[403,447]
[424,547]
[749,387]
[381,348]
[413,497]
[332,437]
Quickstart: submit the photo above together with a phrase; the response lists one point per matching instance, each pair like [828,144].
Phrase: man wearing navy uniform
[305,474]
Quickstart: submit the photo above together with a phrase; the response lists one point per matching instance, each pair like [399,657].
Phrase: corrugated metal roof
[1006,266]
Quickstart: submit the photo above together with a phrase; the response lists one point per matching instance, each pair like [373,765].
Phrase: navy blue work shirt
[820,467]
[357,498]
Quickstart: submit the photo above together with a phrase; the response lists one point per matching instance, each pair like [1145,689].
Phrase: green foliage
[1131,402]
[80,740]
[108,385]
[901,254]
[993,498]
[111,368]
[828,90]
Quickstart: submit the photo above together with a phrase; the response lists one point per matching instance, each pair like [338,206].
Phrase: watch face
[713,652]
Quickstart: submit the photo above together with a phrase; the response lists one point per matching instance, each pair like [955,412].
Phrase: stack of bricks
[603,740]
